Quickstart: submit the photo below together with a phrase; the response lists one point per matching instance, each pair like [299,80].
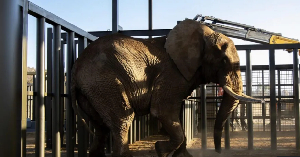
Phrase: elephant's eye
[224,61]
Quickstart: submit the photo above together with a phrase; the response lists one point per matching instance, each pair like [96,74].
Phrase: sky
[95,15]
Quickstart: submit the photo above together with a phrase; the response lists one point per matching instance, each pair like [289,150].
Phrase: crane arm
[244,32]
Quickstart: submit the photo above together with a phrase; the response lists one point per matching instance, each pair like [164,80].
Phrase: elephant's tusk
[241,97]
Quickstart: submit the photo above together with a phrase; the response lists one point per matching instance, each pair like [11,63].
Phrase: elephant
[118,77]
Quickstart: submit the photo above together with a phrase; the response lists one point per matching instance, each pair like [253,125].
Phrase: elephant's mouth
[241,97]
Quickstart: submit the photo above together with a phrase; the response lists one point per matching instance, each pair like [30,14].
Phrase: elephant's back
[133,61]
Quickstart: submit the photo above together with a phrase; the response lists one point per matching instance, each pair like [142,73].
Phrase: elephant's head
[195,47]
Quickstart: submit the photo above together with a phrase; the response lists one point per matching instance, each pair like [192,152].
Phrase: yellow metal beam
[282,40]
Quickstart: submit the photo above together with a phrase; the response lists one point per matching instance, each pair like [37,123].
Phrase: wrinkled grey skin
[118,77]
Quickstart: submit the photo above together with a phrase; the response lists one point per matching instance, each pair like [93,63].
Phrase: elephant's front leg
[173,128]
[177,140]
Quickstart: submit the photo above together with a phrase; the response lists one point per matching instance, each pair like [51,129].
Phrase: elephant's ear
[184,44]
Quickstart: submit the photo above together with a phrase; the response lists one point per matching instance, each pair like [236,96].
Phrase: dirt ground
[238,143]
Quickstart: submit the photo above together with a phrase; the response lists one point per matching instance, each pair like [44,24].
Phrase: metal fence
[53,100]
[278,85]
[48,97]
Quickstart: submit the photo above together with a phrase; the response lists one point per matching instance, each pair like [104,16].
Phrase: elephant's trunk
[229,103]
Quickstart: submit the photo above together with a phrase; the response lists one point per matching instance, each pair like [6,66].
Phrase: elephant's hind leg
[101,130]
[117,114]
[101,134]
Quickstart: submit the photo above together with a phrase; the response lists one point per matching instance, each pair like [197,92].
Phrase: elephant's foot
[181,153]
[217,140]
[127,154]
[164,148]
[96,153]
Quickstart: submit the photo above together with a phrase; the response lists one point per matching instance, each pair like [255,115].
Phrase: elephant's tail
[75,107]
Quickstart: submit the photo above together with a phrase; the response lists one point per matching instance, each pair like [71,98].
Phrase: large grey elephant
[118,77]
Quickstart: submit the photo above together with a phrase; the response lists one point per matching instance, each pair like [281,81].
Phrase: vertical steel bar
[193,115]
[296,96]
[134,134]
[56,144]
[142,127]
[70,135]
[33,108]
[49,89]
[272,98]
[138,127]
[249,105]
[150,15]
[263,105]
[279,100]
[115,16]
[187,111]
[82,132]
[61,90]
[23,107]
[11,81]
[203,117]
[40,89]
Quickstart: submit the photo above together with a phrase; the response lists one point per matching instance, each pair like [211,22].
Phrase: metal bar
[56,144]
[70,135]
[115,15]
[34,98]
[296,95]
[203,117]
[11,81]
[188,122]
[279,102]
[142,127]
[55,20]
[134,130]
[272,99]
[263,105]
[82,132]
[82,44]
[152,32]
[249,105]
[138,128]
[23,107]
[49,89]
[61,91]
[40,80]
[150,16]
[267,46]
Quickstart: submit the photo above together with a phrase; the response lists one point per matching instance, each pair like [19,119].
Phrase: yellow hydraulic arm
[282,40]
[245,32]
